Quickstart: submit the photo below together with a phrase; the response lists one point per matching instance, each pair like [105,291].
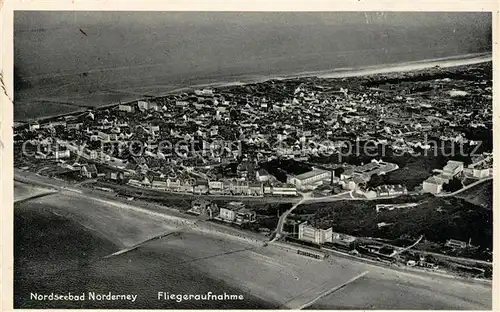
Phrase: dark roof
[91,168]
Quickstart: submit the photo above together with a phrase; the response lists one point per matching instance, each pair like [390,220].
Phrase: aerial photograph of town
[253,160]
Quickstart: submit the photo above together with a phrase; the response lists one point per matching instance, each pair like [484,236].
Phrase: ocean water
[55,254]
[95,58]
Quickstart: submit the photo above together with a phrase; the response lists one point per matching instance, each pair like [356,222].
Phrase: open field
[480,195]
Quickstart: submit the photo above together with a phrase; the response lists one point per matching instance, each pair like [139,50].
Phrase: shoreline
[335,73]
[220,251]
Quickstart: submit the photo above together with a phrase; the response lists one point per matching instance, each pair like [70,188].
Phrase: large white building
[433,185]
[144,105]
[311,234]
[453,167]
[310,179]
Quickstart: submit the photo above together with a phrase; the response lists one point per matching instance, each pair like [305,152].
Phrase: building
[453,167]
[216,186]
[365,172]
[201,187]
[34,126]
[281,190]
[227,215]
[256,189]
[61,154]
[310,179]
[126,108]
[453,243]
[89,171]
[204,92]
[115,176]
[262,175]
[311,234]
[160,184]
[433,185]
[343,241]
[204,208]
[481,173]
[143,105]
[235,212]
[245,215]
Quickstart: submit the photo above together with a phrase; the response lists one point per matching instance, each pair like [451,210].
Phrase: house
[89,171]
[262,175]
[315,235]
[343,240]
[100,136]
[227,215]
[453,167]
[479,160]
[34,126]
[160,184]
[144,105]
[61,154]
[245,215]
[236,212]
[74,126]
[126,108]
[243,169]
[200,187]
[204,208]
[204,92]
[174,185]
[146,182]
[256,189]
[115,176]
[186,187]
[240,188]
[216,186]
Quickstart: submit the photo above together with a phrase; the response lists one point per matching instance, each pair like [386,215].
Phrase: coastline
[336,73]
[220,252]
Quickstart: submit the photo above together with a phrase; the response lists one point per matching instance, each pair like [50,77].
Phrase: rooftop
[310,174]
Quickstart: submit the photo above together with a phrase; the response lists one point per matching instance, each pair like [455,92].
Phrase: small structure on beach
[236,212]
[204,208]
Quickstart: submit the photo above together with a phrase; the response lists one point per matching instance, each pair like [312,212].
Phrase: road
[465,188]
[281,221]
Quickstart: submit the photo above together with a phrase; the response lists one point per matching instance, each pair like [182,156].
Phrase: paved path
[465,188]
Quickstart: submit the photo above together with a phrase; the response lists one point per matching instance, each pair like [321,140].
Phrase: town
[324,139]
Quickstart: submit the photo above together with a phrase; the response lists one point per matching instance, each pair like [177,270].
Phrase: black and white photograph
[336,160]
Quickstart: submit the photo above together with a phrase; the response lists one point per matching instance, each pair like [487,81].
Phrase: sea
[67,61]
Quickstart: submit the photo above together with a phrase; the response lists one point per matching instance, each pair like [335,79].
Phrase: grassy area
[480,195]
[438,219]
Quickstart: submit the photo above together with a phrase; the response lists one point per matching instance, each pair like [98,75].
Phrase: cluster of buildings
[233,212]
[480,168]
[434,184]
[208,187]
